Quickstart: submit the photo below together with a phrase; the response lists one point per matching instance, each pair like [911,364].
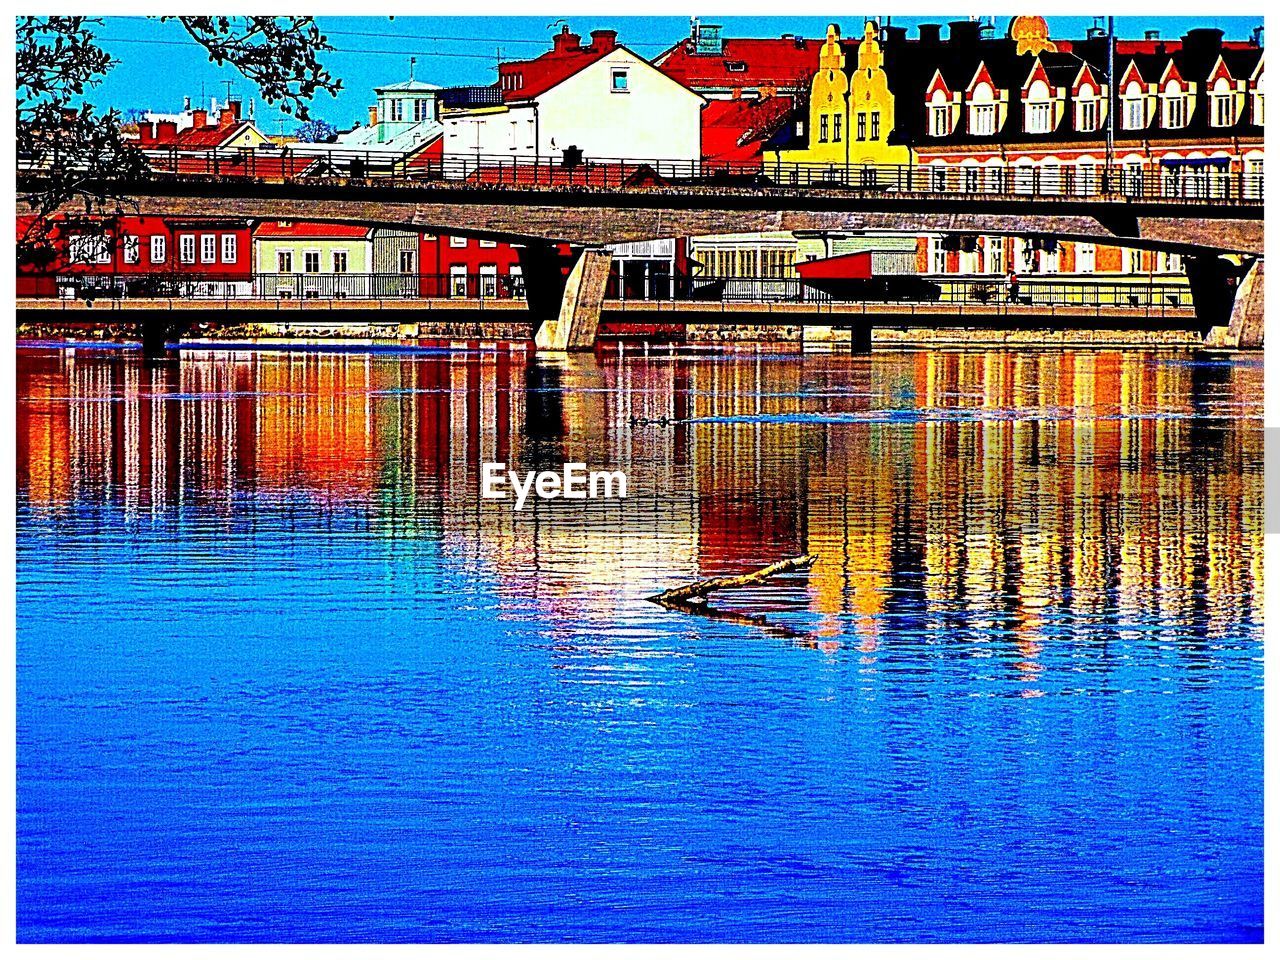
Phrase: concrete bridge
[566,310]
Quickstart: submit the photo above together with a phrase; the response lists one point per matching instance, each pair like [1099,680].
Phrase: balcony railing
[1187,184]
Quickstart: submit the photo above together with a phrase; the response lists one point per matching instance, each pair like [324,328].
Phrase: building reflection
[1015,489]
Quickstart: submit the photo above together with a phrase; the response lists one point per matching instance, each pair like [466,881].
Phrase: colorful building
[600,99]
[300,260]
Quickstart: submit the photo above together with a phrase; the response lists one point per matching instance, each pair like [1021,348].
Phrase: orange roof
[784,62]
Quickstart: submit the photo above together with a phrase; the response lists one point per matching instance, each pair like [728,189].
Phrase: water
[283,676]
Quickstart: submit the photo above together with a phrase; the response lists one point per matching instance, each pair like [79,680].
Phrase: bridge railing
[1153,297]
[1171,182]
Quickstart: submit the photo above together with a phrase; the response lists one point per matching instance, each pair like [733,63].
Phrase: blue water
[282,676]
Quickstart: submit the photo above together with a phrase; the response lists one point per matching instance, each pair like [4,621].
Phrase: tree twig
[684,596]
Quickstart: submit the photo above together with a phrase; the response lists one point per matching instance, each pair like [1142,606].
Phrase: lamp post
[1111,102]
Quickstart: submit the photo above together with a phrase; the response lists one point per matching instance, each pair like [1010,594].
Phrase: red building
[143,256]
[454,266]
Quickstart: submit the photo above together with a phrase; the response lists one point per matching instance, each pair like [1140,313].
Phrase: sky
[159,64]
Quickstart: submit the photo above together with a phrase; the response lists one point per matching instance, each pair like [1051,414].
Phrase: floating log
[697,592]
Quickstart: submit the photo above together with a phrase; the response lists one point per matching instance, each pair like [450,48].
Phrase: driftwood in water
[697,592]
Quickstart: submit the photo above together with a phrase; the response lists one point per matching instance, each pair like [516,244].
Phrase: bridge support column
[156,334]
[1247,319]
[578,319]
[1212,280]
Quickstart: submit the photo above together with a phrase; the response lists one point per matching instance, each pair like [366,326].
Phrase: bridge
[628,200]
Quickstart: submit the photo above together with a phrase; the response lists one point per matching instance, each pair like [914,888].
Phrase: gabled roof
[407,86]
[736,130]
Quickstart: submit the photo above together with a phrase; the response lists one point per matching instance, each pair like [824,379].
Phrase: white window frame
[1039,116]
[412,261]
[307,256]
[458,272]
[284,261]
[228,248]
[1173,107]
[158,248]
[130,248]
[457,241]
[1134,116]
[616,74]
[939,119]
[340,260]
[187,247]
[982,119]
[1088,113]
[488,244]
[208,248]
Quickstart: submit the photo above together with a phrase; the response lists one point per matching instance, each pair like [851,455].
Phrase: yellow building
[850,117]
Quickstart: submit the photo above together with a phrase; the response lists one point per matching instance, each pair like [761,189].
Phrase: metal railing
[1142,294]
[1204,184]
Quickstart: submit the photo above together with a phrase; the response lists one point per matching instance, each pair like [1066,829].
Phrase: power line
[387,53]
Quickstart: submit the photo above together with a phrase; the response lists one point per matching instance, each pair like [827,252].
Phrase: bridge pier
[1247,318]
[577,320]
[156,335]
[1212,280]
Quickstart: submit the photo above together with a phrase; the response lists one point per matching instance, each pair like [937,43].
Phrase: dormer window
[1222,108]
[1088,112]
[1039,109]
[1257,102]
[939,115]
[1135,112]
[982,111]
[1173,106]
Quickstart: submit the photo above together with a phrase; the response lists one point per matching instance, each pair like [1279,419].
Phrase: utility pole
[1112,100]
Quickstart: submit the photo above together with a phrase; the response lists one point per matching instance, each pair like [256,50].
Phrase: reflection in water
[991,524]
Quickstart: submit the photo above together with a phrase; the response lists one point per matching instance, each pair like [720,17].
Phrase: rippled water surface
[282,675]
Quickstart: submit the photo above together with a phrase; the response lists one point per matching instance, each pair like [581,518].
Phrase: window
[90,249]
[284,261]
[996,179]
[458,281]
[311,261]
[939,120]
[618,82]
[208,248]
[1257,102]
[129,246]
[406,261]
[1173,107]
[1039,116]
[1135,112]
[1132,260]
[1086,178]
[823,128]
[339,261]
[995,254]
[457,241]
[1051,177]
[937,256]
[1222,111]
[1087,112]
[875,124]
[1086,258]
[837,121]
[971,177]
[421,110]
[157,248]
[489,281]
[228,248]
[397,110]
[939,178]
[488,244]
[516,276]
[982,119]
[187,247]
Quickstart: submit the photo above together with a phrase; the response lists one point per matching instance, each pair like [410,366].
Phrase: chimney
[1151,35]
[895,35]
[565,42]
[230,116]
[146,132]
[199,119]
[964,32]
[930,33]
[373,115]
[167,130]
[604,40]
[1202,41]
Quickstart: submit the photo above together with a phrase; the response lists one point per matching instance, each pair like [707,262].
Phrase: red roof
[735,130]
[846,266]
[784,62]
[527,79]
[302,228]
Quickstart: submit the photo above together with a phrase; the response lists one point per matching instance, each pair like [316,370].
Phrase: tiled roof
[736,130]
[783,62]
[300,228]
[549,70]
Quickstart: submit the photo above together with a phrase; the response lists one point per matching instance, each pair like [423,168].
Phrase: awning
[849,266]
[1197,162]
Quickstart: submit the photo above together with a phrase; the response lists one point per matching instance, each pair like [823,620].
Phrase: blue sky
[159,65]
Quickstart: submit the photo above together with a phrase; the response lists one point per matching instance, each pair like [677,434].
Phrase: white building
[602,99]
